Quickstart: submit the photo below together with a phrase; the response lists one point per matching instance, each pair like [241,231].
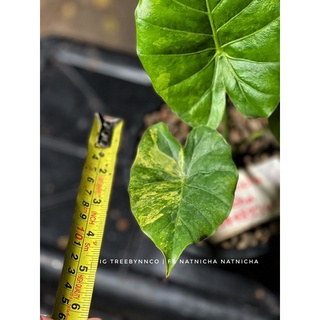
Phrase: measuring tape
[76,283]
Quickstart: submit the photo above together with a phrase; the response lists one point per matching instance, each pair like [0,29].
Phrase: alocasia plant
[175,189]
[196,52]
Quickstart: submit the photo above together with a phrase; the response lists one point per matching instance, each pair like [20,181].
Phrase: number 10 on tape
[76,283]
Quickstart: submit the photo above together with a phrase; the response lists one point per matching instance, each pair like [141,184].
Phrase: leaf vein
[209,172]
[213,28]
[235,15]
[249,35]
[189,231]
[197,159]
[165,227]
[239,79]
[174,30]
[178,54]
[210,223]
[169,146]
[153,169]
[190,8]
[199,100]
[160,182]
[217,6]
[251,61]
[195,74]
[204,190]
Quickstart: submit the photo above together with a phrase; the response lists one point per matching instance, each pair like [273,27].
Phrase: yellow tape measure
[76,283]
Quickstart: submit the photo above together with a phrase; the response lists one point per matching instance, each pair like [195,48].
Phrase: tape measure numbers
[76,283]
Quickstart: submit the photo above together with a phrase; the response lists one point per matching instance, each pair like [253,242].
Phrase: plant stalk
[225,120]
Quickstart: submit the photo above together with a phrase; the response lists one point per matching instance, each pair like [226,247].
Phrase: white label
[257,199]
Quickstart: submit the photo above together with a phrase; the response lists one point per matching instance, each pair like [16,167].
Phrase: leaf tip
[170,263]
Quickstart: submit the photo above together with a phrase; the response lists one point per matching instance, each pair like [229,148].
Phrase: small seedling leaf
[180,196]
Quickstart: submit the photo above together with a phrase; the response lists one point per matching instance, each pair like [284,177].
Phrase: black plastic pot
[76,81]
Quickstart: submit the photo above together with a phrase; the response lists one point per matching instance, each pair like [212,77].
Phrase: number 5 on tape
[76,283]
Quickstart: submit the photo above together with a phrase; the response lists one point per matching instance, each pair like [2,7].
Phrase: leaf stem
[225,120]
[250,138]
[256,135]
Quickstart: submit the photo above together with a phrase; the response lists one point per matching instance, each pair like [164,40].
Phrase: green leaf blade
[196,52]
[252,18]
[251,86]
[182,199]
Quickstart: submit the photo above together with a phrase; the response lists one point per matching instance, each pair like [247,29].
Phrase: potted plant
[197,53]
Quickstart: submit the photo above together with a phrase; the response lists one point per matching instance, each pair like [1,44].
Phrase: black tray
[77,81]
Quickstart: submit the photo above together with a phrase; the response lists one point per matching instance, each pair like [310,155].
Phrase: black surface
[69,97]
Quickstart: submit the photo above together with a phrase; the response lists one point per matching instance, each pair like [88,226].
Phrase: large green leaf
[181,196]
[196,51]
